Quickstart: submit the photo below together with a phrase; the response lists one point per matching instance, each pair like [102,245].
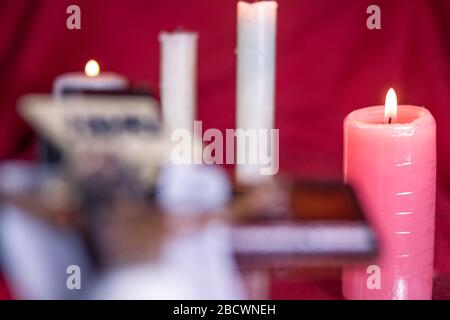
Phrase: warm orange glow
[92,69]
[390,109]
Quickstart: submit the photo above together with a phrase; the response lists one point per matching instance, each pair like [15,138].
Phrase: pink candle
[390,159]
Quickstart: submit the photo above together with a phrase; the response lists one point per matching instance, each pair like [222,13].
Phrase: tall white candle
[178,79]
[255,81]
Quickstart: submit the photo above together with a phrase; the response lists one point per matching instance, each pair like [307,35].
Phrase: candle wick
[390,120]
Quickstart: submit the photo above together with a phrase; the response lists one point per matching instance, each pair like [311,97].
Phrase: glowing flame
[92,69]
[390,109]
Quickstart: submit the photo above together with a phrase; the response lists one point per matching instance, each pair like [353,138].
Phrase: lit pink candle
[390,159]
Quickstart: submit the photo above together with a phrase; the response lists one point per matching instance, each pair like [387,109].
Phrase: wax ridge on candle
[406,117]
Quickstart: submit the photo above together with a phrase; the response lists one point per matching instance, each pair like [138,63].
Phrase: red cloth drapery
[328,63]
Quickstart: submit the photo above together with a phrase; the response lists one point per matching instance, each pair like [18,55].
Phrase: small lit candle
[89,80]
[390,159]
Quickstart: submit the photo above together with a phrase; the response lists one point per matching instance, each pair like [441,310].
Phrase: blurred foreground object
[92,79]
[185,238]
[307,223]
[147,228]
[35,253]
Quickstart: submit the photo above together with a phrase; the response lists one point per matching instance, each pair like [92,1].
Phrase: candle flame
[92,69]
[390,109]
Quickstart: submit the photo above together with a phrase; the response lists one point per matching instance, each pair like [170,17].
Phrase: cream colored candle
[255,82]
[90,79]
[178,79]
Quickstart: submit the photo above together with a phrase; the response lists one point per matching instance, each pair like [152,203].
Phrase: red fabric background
[329,63]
